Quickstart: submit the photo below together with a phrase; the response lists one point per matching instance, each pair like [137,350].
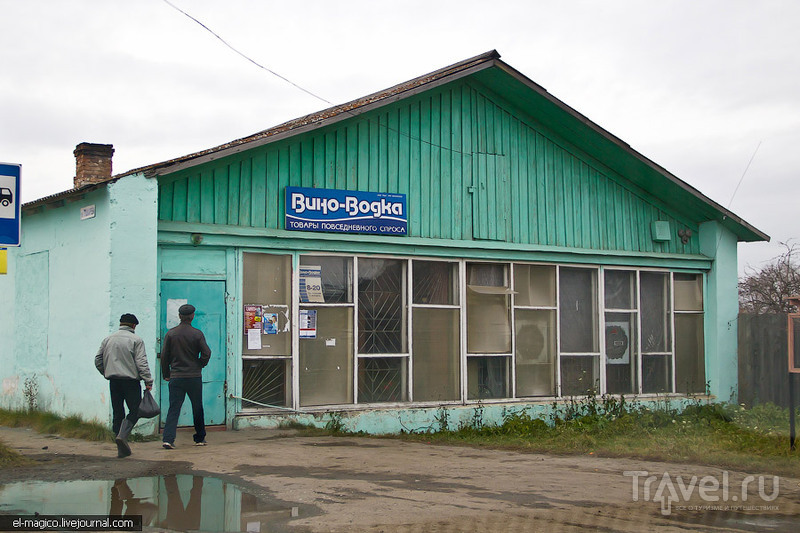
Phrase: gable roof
[519,90]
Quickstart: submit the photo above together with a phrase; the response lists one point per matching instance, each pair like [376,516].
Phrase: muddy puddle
[174,502]
[739,521]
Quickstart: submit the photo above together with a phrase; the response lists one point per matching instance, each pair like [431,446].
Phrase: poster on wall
[270,321]
[254,339]
[308,323]
[311,284]
[252,318]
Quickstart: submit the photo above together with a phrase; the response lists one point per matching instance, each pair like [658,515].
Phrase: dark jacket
[184,352]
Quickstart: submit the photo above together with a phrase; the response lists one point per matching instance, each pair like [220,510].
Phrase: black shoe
[123,449]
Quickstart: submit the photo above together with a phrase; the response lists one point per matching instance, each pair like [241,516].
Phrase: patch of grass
[49,423]
[9,457]
[753,440]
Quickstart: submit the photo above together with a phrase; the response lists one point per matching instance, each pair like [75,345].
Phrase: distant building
[462,237]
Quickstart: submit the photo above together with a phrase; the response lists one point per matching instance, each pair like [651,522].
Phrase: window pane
[535,285]
[620,289]
[266,382]
[267,282]
[655,312]
[688,292]
[578,305]
[536,349]
[435,283]
[436,354]
[381,306]
[326,362]
[656,373]
[337,277]
[487,377]
[382,379]
[487,274]
[621,353]
[690,374]
[579,375]
[488,309]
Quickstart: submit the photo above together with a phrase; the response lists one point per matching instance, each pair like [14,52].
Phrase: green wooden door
[208,297]
[491,198]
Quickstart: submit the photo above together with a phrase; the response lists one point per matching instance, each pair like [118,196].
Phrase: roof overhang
[529,97]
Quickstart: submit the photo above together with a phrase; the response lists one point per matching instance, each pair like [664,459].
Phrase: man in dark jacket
[123,362]
[184,354]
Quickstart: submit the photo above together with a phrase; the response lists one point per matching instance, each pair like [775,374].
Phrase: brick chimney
[92,163]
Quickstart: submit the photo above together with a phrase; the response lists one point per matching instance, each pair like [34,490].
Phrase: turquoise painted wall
[424,419]
[72,279]
[61,275]
[722,311]
[473,167]
[133,287]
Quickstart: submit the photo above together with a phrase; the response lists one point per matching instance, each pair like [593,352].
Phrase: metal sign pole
[794,360]
[791,411]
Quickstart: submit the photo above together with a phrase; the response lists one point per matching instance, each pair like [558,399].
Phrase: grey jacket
[122,355]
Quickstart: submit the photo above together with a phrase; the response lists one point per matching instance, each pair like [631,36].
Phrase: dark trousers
[179,388]
[124,391]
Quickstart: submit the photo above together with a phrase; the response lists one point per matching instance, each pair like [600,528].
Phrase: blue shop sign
[338,211]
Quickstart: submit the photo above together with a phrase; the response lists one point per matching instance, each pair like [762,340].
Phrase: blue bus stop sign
[10,214]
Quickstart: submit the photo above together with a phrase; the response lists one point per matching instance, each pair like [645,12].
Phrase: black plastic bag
[148,408]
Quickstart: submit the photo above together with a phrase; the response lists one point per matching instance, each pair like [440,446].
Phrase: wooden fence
[763,360]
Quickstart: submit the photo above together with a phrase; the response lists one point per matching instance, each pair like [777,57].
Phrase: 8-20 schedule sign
[9,204]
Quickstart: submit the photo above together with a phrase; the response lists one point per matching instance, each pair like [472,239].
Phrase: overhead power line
[290,82]
[256,63]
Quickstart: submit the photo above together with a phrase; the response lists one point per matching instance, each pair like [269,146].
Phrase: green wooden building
[531,256]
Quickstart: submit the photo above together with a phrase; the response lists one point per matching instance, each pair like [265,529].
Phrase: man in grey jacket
[123,362]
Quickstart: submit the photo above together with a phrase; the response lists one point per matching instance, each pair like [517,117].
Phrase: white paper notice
[172,311]
[311,284]
[308,323]
[253,339]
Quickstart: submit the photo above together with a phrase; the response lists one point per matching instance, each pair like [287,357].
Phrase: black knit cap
[128,318]
[186,310]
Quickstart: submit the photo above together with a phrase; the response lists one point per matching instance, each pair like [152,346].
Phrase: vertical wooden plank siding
[165,190]
[193,199]
[245,190]
[362,156]
[233,192]
[471,169]
[259,213]
[207,196]
[424,163]
[221,195]
[273,192]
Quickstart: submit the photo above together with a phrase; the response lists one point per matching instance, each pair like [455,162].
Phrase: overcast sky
[697,86]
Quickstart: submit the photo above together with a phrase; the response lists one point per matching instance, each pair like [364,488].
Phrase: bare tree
[763,291]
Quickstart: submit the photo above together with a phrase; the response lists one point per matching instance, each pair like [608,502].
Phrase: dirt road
[387,485]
